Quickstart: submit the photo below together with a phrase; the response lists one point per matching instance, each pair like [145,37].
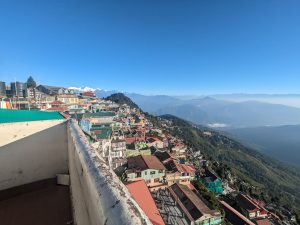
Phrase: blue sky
[154,47]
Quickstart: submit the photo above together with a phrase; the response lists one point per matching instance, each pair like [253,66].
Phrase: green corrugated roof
[12,116]
[100,126]
[99,114]
[74,110]
[105,133]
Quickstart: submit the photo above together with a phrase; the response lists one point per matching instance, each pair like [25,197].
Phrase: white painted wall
[34,157]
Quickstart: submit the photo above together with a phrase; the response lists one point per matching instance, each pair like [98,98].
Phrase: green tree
[31,82]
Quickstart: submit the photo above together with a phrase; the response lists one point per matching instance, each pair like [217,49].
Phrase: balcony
[49,174]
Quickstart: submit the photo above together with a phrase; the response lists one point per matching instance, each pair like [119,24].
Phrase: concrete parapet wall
[35,151]
[98,196]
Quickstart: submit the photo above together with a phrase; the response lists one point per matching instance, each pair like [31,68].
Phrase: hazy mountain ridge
[276,178]
[211,111]
[208,110]
[282,143]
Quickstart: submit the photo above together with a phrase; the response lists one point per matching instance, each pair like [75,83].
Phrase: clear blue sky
[154,46]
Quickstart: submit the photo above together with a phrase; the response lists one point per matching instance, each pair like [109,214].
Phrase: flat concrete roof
[36,204]
[10,132]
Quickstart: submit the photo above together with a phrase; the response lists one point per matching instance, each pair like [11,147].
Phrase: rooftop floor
[39,203]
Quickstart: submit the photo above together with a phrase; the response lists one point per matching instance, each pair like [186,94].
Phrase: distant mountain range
[218,111]
[282,143]
[255,124]
[213,112]
[102,93]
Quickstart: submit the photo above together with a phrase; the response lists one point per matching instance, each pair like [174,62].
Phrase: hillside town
[170,181]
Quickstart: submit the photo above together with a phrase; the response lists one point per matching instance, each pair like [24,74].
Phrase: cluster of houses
[153,163]
[148,161]
[155,166]
[44,97]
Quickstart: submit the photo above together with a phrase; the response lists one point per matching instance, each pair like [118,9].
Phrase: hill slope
[120,98]
[281,142]
[276,178]
[278,181]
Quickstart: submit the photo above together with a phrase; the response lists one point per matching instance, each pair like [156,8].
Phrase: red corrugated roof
[89,94]
[57,109]
[67,116]
[188,168]
[133,139]
[142,196]
[263,222]
[57,103]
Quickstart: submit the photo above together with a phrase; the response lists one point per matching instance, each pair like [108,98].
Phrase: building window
[152,172]
[138,174]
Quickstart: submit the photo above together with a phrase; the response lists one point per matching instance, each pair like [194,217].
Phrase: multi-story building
[176,172]
[180,150]
[35,94]
[250,208]
[117,152]
[213,182]
[2,89]
[137,148]
[70,100]
[179,173]
[233,216]
[147,168]
[57,106]
[196,211]
[18,89]
[96,119]
[154,142]
[52,90]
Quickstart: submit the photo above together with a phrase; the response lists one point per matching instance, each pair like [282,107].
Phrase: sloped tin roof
[13,116]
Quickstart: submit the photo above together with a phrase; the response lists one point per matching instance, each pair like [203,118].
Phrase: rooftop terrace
[48,202]
[32,156]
